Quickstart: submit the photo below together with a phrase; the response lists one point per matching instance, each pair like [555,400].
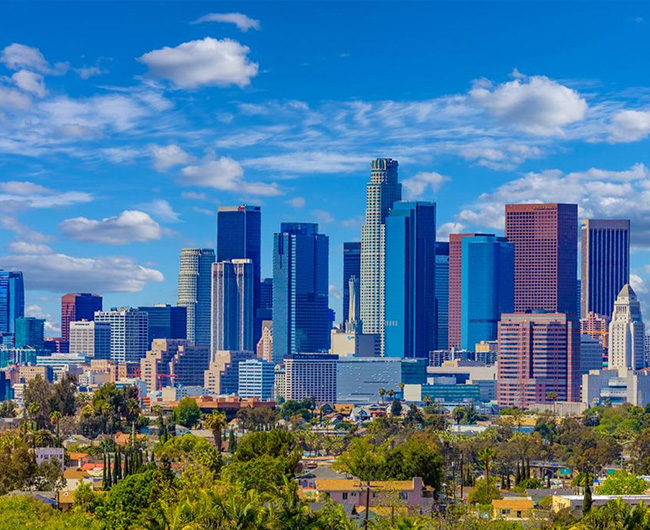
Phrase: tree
[8,409]
[382,393]
[396,407]
[127,500]
[484,492]
[187,413]
[623,483]
[37,398]
[216,422]
[55,418]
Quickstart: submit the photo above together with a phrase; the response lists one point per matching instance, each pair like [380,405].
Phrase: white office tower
[92,339]
[382,192]
[627,332]
[232,305]
[353,324]
[129,333]
[194,288]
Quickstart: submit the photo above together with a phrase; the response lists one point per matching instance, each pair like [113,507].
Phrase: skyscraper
[410,325]
[351,267]
[194,292]
[382,192]
[456,287]
[90,338]
[265,311]
[487,288]
[538,359]
[29,332]
[129,333]
[442,295]
[627,332]
[546,256]
[300,290]
[605,264]
[239,237]
[232,305]
[78,306]
[166,322]
[12,299]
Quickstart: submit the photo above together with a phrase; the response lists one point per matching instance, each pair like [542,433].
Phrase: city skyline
[136,158]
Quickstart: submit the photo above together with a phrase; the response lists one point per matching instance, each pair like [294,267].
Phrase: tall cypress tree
[109,481]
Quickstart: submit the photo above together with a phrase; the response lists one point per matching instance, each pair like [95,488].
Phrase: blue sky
[123,126]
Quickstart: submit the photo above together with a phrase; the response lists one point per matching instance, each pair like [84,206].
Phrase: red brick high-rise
[78,306]
[538,359]
[546,256]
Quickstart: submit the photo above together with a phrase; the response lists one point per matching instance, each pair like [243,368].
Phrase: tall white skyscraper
[627,332]
[232,305]
[382,192]
[194,290]
[129,333]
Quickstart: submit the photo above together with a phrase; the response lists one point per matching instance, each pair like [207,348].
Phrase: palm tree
[391,393]
[55,418]
[487,455]
[427,400]
[382,393]
[216,422]
[552,396]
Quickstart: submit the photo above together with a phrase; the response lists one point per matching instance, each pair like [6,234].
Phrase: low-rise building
[382,492]
[513,508]
[574,503]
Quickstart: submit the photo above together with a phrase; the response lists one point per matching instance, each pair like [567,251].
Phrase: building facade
[129,333]
[75,307]
[166,321]
[538,359]
[301,319]
[222,376]
[546,256]
[194,292]
[256,379]
[455,295]
[382,192]
[627,332]
[12,299]
[310,376]
[410,248]
[597,327]
[92,339]
[232,305]
[605,264]
[351,267]
[29,332]
[442,295]
[487,287]
[239,237]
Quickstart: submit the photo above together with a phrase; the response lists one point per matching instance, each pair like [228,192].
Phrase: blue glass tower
[239,237]
[442,295]
[487,290]
[301,322]
[410,325]
[12,299]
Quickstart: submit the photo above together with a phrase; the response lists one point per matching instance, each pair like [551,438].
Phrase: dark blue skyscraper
[239,237]
[300,290]
[166,322]
[442,295]
[487,290]
[410,326]
[12,299]
[265,311]
[351,267]
[605,264]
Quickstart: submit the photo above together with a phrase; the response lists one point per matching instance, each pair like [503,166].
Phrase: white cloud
[30,82]
[297,202]
[243,22]
[21,195]
[629,126]
[638,283]
[322,216]
[536,105]
[207,62]
[57,273]
[418,185]
[14,100]
[225,174]
[194,196]
[449,228]
[52,325]
[160,208]
[26,247]
[17,56]
[127,227]
[87,72]
[599,193]
[168,156]
[310,162]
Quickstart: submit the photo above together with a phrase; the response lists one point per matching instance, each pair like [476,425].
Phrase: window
[345,495]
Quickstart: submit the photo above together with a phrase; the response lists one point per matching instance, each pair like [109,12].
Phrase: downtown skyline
[115,160]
